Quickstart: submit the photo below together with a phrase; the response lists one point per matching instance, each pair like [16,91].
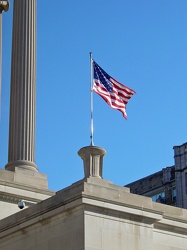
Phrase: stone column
[21,152]
[93,161]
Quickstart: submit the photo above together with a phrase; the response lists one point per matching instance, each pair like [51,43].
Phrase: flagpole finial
[90,55]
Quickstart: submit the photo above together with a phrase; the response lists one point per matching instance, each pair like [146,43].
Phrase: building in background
[168,186]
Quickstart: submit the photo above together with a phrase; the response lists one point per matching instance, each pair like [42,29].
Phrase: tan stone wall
[166,240]
[64,231]
[117,232]
[95,215]
[7,209]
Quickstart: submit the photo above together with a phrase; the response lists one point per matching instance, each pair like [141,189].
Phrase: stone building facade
[95,214]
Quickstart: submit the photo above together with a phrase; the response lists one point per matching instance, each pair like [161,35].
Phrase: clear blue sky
[141,43]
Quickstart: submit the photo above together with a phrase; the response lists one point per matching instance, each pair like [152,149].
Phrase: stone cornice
[27,188]
[16,199]
[9,199]
[91,197]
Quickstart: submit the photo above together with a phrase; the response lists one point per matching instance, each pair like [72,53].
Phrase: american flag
[114,93]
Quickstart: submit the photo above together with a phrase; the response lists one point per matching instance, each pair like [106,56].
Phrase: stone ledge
[24,178]
[84,194]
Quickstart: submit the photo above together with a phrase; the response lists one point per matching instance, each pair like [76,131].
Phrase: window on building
[174,194]
[159,197]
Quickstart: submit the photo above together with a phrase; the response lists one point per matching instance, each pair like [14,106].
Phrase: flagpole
[91,100]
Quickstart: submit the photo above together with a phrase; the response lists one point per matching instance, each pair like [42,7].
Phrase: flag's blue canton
[102,76]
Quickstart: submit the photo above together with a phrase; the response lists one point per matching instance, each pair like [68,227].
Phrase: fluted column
[23,87]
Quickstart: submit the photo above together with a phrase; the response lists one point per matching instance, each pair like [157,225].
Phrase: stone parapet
[96,214]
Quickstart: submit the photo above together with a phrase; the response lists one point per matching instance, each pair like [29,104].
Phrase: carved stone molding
[15,200]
